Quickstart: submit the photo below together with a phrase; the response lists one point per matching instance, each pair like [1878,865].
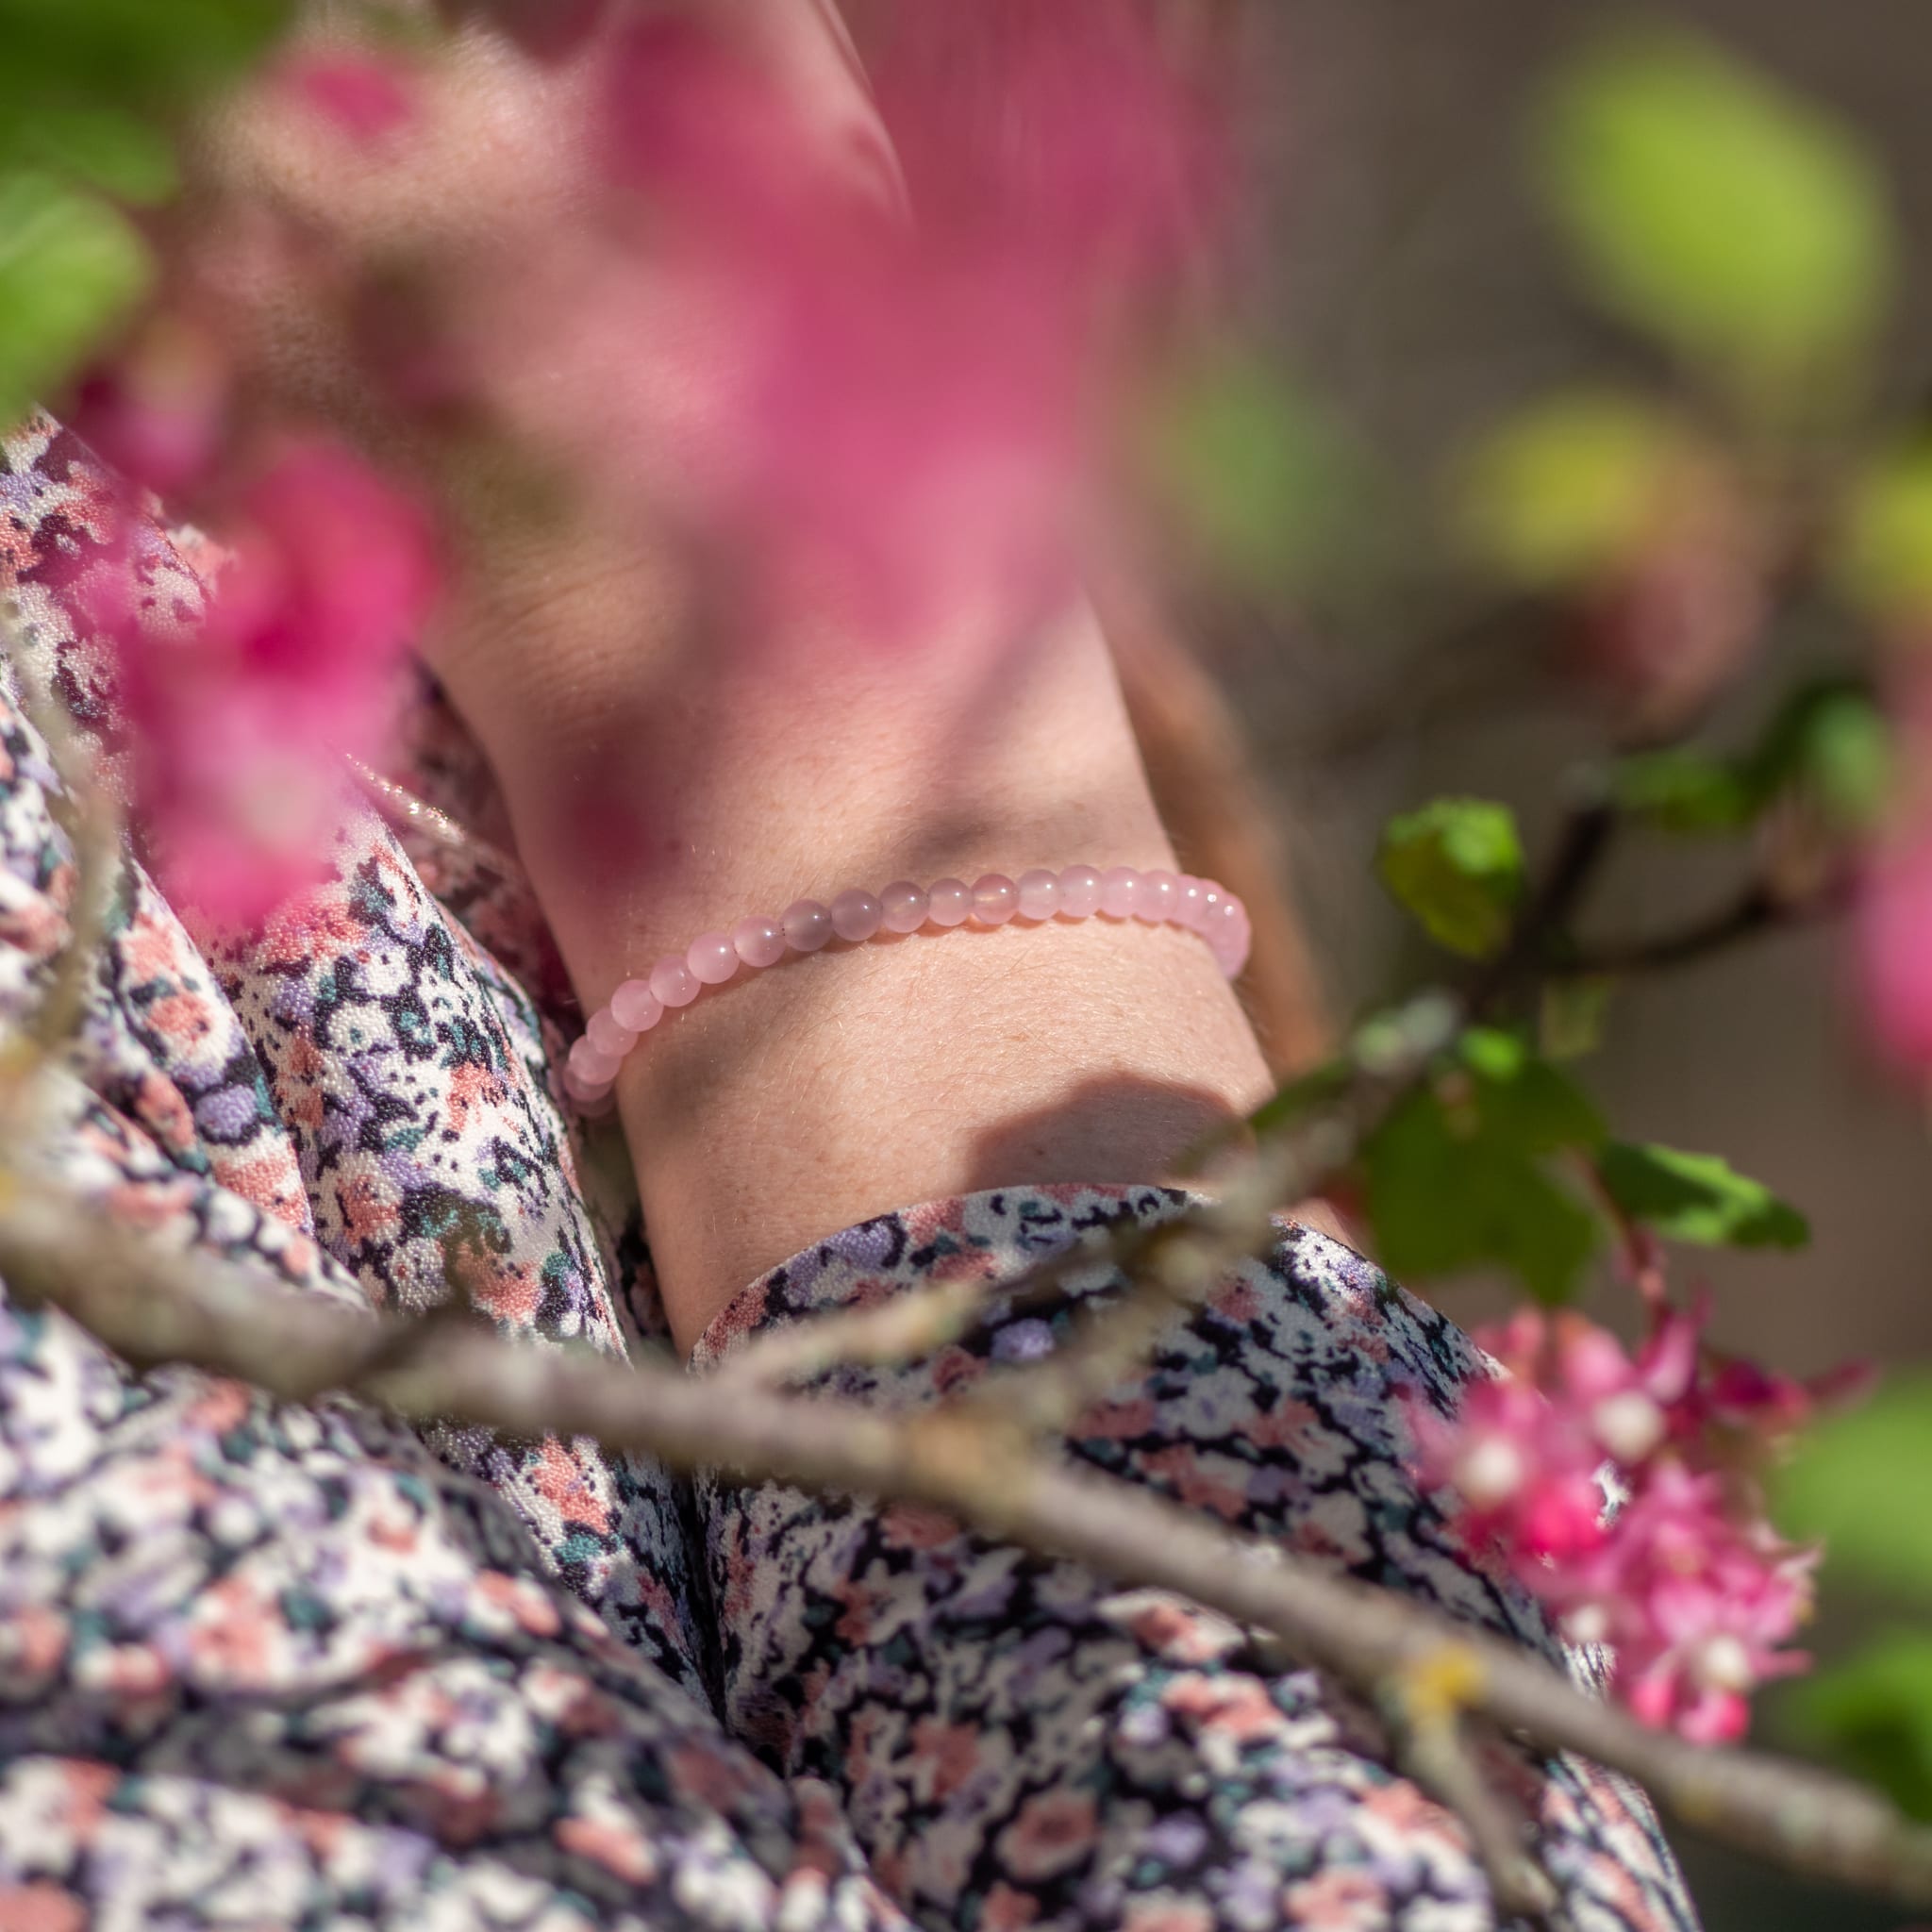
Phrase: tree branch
[152,1307]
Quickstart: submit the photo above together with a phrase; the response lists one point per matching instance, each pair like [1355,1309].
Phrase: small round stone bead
[856,915]
[1188,909]
[759,942]
[1232,938]
[903,906]
[995,898]
[1039,895]
[1120,892]
[674,982]
[949,902]
[1209,917]
[591,1068]
[609,1036]
[636,1007]
[808,925]
[1161,893]
[585,1093]
[713,959]
[1079,892]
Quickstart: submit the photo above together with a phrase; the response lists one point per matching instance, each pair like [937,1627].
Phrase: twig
[154,1308]
[1433,1747]
[1758,909]
[403,812]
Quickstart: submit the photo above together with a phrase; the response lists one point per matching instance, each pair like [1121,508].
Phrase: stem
[155,1308]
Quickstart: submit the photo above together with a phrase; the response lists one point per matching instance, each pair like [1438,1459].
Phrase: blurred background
[1412,288]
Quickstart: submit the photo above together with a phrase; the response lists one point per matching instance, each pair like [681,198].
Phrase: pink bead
[904,906]
[1079,892]
[674,982]
[1120,892]
[713,959]
[808,925]
[591,1068]
[1039,895]
[587,1093]
[609,1036]
[759,942]
[949,902]
[1209,917]
[1187,910]
[636,1007]
[995,898]
[856,915]
[1233,939]
[1161,893]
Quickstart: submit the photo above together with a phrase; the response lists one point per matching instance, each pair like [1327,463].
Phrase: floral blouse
[273,1666]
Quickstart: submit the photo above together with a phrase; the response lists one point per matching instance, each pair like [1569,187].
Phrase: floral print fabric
[268,1665]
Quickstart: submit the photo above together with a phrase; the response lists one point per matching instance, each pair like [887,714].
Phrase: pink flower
[359,95]
[1687,1583]
[242,720]
[1695,1603]
[885,416]
[1893,939]
[157,413]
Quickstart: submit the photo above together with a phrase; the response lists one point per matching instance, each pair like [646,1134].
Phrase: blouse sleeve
[1017,1742]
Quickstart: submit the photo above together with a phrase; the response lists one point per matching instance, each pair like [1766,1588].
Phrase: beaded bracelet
[1155,898]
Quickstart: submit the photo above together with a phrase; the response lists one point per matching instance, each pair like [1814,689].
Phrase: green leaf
[1443,1196]
[1567,489]
[1524,1100]
[1684,791]
[1881,557]
[1457,864]
[103,147]
[69,270]
[1709,207]
[1317,1088]
[1859,1484]
[1829,738]
[1874,1714]
[1571,1015]
[1697,1198]
[1252,470]
[1845,758]
[131,53]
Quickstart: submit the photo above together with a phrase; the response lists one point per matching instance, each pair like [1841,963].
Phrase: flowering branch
[155,1309]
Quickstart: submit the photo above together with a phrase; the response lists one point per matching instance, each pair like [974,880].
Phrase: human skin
[660,785]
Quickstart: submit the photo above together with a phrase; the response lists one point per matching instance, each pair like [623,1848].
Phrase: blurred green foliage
[1858,1484]
[1697,1198]
[1714,211]
[1458,1175]
[1265,486]
[69,267]
[1456,865]
[90,94]
[1569,487]
[1882,556]
[1873,1713]
[1828,742]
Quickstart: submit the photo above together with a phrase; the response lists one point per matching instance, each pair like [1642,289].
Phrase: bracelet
[1154,898]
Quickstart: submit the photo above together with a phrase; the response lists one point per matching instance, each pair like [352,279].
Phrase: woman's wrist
[653,804]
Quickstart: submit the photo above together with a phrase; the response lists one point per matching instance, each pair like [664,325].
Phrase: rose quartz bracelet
[1155,898]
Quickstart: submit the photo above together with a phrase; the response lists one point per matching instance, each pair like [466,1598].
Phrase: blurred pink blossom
[158,412]
[884,415]
[1695,1605]
[1893,941]
[1686,1581]
[356,93]
[241,721]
